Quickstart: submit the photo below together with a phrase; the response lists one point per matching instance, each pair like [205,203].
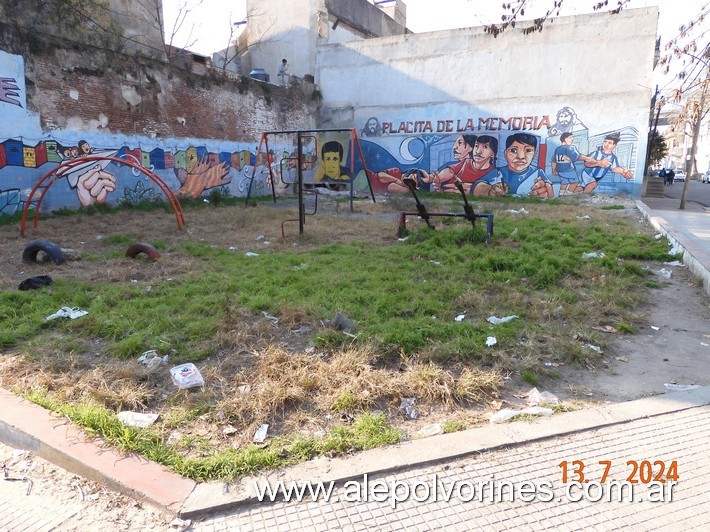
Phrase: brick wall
[80,91]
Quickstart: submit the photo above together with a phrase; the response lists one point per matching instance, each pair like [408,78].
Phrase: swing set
[301,170]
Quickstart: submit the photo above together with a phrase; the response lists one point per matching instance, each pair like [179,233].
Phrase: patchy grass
[260,327]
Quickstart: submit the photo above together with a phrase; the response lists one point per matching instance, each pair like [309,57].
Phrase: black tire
[143,247]
[50,248]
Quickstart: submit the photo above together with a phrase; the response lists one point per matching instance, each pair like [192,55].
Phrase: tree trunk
[694,148]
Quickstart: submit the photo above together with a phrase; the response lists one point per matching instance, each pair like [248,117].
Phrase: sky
[210,20]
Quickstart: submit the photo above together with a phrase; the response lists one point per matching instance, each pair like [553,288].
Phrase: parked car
[706,177]
[679,175]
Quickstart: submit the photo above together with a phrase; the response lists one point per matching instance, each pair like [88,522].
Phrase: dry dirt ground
[673,346]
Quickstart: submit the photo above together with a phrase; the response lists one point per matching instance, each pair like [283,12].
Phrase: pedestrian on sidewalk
[671,176]
[664,175]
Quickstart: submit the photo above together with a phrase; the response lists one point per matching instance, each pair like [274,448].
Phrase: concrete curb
[694,256]
[26,425]
[211,497]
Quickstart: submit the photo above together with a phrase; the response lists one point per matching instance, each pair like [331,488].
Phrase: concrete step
[654,187]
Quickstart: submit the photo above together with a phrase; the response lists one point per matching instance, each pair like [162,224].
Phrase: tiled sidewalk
[681,437]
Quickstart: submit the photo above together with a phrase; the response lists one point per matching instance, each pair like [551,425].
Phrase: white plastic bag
[186,376]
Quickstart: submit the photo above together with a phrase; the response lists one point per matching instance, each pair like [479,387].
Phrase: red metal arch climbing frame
[60,171]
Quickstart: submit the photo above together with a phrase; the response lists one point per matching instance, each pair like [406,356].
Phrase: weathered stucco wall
[420,92]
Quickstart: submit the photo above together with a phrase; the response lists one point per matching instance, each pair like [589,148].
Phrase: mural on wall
[532,156]
[27,154]
[190,173]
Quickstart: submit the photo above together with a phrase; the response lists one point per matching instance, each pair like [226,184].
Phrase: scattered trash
[593,347]
[680,387]
[585,217]
[404,239]
[548,364]
[152,359]
[622,359]
[136,419]
[343,323]
[506,414]
[244,389]
[521,211]
[606,329]
[36,282]
[435,263]
[665,273]
[260,237]
[260,434]
[174,437]
[232,248]
[535,398]
[180,524]
[302,266]
[658,236]
[66,312]
[704,344]
[655,328]
[496,321]
[269,316]
[431,430]
[229,431]
[645,268]
[460,317]
[347,418]
[593,255]
[676,263]
[491,341]
[186,376]
[407,407]
[251,254]
[515,232]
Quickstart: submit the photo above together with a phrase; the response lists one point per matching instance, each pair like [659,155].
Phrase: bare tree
[515,11]
[689,52]
[153,12]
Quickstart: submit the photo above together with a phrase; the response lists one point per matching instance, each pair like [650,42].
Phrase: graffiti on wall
[534,155]
[9,91]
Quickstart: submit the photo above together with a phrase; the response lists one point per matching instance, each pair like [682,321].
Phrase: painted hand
[499,189]
[203,177]
[94,186]
[542,189]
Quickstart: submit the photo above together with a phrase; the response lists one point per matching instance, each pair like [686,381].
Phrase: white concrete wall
[283,30]
[600,65]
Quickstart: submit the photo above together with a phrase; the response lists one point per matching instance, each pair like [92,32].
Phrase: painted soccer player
[519,177]
[604,160]
[562,164]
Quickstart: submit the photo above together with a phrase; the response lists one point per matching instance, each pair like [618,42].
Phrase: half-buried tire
[142,247]
[52,250]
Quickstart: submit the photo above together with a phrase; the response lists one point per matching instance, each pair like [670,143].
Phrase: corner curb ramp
[215,496]
[25,425]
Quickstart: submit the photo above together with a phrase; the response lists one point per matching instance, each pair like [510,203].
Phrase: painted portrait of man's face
[519,156]
[565,117]
[372,126]
[608,146]
[331,164]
